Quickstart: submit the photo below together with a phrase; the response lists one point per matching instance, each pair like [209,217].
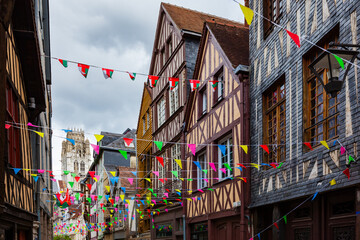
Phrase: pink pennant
[97,177]
[131,180]
[128,141]
[96,148]
[126,205]
[7,126]
[156,173]
[294,37]
[117,199]
[154,201]
[166,210]
[223,170]
[166,194]
[200,190]
[206,180]
[41,171]
[216,178]
[53,179]
[212,165]
[31,125]
[192,148]
[342,150]
[116,209]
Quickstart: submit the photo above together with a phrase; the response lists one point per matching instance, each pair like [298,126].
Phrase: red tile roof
[191,20]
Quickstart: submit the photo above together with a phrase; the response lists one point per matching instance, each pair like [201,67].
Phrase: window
[13,134]
[147,119]
[201,183]
[82,167]
[272,11]
[219,92]
[202,102]
[144,125]
[226,159]
[321,116]
[174,99]
[161,111]
[164,230]
[170,49]
[275,122]
[176,154]
[76,166]
[163,57]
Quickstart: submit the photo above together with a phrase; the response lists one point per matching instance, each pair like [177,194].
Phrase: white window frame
[227,158]
[174,99]
[144,125]
[175,154]
[220,88]
[204,102]
[201,183]
[147,120]
[161,111]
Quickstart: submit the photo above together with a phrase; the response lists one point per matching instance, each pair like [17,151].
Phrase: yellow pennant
[178,190]
[122,197]
[190,191]
[181,179]
[111,211]
[245,148]
[255,165]
[178,161]
[148,179]
[152,206]
[41,134]
[107,188]
[127,201]
[95,179]
[137,210]
[99,137]
[248,14]
[113,173]
[325,144]
[332,182]
[189,199]
[26,169]
[33,175]
[171,202]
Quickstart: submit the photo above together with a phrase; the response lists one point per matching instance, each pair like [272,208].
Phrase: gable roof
[191,20]
[233,40]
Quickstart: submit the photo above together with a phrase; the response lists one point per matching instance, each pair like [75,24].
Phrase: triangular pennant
[222,149]
[351,159]
[347,172]
[227,166]
[214,84]
[41,134]
[107,188]
[178,161]
[131,180]
[124,154]
[265,147]
[7,126]
[342,150]
[153,80]
[128,141]
[71,184]
[248,14]
[16,170]
[332,182]
[160,160]
[32,125]
[245,148]
[36,178]
[324,143]
[280,165]
[135,173]
[212,165]
[89,186]
[276,225]
[255,165]
[66,130]
[156,173]
[173,83]
[197,164]
[71,140]
[107,73]
[77,178]
[148,179]
[223,170]
[159,145]
[84,69]
[96,148]
[314,196]
[92,173]
[63,62]
[175,173]
[132,75]
[113,173]
[294,37]
[98,137]
[285,219]
[205,171]
[66,172]
[192,148]
[73,175]
[340,61]
[308,145]
[194,84]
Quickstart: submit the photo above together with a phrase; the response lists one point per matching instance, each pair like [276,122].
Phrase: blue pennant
[134,173]
[138,205]
[36,178]
[71,140]
[143,202]
[66,130]
[239,168]
[315,196]
[223,149]
[123,189]
[114,180]
[16,170]
[197,164]
[259,236]
[107,197]
[178,193]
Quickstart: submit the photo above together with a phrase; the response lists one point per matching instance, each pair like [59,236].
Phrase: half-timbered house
[174,54]
[143,151]
[217,114]
[25,97]
[289,108]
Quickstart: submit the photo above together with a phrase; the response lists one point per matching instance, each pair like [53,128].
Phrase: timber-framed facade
[309,116]
[218,115]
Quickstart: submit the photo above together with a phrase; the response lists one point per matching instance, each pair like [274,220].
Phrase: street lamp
[327,60]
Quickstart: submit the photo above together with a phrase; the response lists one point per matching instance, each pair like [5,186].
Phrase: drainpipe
[184,228]
[243,74]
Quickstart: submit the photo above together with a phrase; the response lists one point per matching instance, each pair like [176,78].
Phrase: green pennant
[124,153]
[66,172]
[159,144]
[190,179]
[227,166]
[89,199]
[100,197]
[151,190]
[210,189]
[73,175]
[340,61]
[205,171]
[285,219]
[351,159]
[77,195]
[104,208]
[71,184]
[155,194]
[280,165]
[176,174]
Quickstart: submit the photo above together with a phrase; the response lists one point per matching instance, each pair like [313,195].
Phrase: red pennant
[89,186]
[81,195]
[92,173]
[167,190]
[294,37]
[241,165]
[276,225]
[77,178]
[95,198]
[161,180]
[347,172]
[265,147]
[112,201]
[128,141]
[308,145]
[7,126]
[101,204]
[161,160]
[244,179]
[273,165]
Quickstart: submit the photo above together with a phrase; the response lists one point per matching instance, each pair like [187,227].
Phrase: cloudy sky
[116,34]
